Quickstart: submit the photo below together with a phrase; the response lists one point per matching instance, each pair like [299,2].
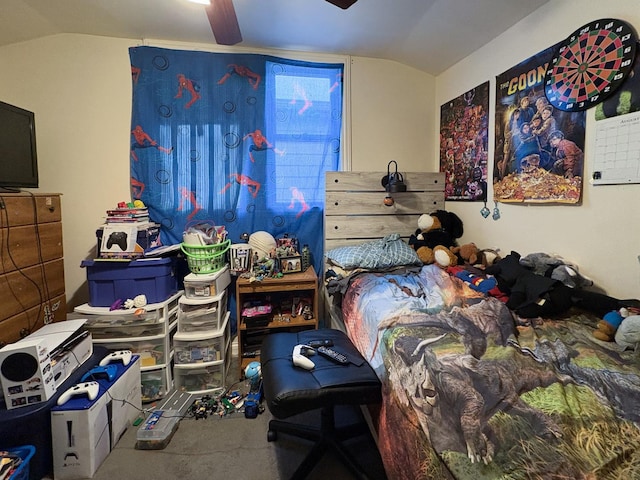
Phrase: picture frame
[292,264]
[287,246]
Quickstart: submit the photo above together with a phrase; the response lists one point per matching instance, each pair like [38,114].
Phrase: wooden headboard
[354,209]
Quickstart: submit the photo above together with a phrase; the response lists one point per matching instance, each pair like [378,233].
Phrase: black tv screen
[18,157]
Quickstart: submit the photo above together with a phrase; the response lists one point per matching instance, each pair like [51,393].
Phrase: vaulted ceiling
[430,35]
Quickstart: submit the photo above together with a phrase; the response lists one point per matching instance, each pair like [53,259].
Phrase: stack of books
[128,215]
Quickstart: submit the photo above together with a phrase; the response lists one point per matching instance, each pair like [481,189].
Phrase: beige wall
[80,90]
[392,116]
[603,234]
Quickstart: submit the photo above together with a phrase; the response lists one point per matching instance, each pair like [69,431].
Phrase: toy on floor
[253,373]
[203,407]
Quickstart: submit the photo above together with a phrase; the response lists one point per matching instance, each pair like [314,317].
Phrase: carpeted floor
[235,447]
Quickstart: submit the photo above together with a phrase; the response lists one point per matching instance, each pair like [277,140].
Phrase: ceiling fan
[224,23]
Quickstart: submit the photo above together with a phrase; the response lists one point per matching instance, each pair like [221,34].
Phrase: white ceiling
[430,35]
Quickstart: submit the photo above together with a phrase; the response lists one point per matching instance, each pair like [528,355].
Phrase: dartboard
[590,64]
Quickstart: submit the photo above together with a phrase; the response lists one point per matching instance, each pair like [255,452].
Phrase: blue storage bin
[25,452]
[113,280]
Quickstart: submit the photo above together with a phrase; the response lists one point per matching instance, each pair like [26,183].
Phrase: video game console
[102,371]
[90,389]
[300,359]
[123,356]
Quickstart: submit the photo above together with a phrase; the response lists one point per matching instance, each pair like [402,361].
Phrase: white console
[32,369]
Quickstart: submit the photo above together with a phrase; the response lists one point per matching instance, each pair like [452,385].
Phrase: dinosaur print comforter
[472,391]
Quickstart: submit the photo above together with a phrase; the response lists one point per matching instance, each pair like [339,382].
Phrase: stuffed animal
[628,333]
[621,326]
[444,257]
[440,228]
[470,254]
[484,284]
[607,327]
[487,257]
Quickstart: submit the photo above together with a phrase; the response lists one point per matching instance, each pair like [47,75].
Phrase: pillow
[387,252]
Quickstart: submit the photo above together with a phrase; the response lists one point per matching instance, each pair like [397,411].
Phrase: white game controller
[300,359]
[121,355]
[91,389]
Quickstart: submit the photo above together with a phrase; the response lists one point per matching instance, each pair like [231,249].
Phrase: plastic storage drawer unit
[201,347]
[151,350]
[154,384]
[196,378]
[206,286]
[199,315]
[122,323]
[112,280]
[202,376]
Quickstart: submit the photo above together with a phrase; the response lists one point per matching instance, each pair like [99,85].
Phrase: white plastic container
[201,347]
[197,378]
[206,285]
[200,315]
[203,376]
[155,383]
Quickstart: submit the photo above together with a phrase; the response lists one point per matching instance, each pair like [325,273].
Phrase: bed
[471,390]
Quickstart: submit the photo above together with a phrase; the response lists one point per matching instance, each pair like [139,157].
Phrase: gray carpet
[234,447]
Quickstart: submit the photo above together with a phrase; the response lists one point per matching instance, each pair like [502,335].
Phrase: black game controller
[118,238]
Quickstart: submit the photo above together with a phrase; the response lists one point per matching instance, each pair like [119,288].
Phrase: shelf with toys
[288,302]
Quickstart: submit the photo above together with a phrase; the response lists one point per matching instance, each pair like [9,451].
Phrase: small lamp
[392,182]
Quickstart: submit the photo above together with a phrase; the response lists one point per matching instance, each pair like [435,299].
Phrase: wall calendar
[617,150]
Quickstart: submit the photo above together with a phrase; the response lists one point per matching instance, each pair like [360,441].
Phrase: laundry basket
[25,452]
[206,258]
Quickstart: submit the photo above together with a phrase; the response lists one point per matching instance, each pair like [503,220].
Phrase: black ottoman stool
[290,390]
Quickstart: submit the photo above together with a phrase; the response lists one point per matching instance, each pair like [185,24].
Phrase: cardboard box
[84,431]
[127,241]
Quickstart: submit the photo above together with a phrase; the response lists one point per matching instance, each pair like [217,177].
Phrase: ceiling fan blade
[344,4]
[224,23]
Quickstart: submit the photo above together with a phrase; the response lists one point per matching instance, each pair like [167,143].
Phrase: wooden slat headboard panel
[354,211]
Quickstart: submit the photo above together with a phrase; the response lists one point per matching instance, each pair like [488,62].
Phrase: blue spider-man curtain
[238,140]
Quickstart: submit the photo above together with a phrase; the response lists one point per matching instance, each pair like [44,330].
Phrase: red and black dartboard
[590,64]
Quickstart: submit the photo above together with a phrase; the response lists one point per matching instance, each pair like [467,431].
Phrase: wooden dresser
[32,290]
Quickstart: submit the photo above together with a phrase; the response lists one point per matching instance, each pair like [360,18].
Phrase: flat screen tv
[18,156]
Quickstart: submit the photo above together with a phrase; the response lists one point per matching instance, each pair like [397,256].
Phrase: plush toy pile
[621,326]
[435,236]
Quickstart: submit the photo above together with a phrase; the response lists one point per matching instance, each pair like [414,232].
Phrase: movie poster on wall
[539,150]
[464,139]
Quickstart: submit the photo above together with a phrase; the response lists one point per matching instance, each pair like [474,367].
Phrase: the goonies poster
[539,150]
